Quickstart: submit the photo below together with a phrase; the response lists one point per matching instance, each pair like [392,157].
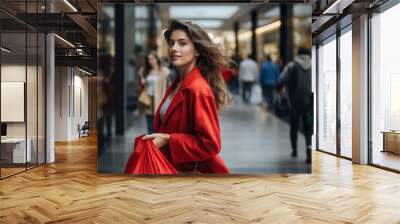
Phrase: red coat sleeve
[205,142]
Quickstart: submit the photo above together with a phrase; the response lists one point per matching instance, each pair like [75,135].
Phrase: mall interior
[61,132]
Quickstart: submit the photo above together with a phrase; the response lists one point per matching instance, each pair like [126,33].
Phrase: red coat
[192,122]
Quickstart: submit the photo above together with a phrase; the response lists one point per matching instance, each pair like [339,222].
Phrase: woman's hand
[159,139]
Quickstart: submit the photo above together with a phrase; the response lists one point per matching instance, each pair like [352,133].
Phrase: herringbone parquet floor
[71,191]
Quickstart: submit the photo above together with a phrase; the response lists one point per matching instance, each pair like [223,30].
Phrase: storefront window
[245,37]
[141,28]
[301,26]
[346,93]
[268,32]
[327,95]
[385,89]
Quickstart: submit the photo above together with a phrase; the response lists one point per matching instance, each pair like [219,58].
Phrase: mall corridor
[253,141]
[256,141]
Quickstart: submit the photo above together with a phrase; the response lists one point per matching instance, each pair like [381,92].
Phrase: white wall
[71,93]
[62,81]
[13,73]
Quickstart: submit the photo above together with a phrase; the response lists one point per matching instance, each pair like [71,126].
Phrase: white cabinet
[17,146]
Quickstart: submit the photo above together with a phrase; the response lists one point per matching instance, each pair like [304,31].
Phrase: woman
[153,77]
[186,122]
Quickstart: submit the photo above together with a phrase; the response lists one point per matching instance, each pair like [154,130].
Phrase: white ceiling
[201,12]
[210,17]
[208,23]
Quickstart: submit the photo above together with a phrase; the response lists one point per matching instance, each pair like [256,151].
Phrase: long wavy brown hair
[210,59]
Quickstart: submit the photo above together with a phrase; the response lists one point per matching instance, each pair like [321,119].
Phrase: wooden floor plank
[71,191]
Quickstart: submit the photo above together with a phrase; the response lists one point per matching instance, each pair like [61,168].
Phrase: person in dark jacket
[296,77]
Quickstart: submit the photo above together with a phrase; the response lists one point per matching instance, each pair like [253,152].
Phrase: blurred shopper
[154,80]
[296,77]
[279,63]
[106,103]
[229,73]
[186,123]
[226,74]
[248,74]
[268,79]
[233,85]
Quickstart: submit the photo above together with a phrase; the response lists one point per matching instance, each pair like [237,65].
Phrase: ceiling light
[64,40]
[267,28]
[70,5]
[84,71]
[337,7]
[5,49]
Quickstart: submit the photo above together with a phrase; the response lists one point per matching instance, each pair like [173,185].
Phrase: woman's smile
[175,57]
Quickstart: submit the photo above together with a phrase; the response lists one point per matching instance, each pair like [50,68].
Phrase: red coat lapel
[178,98]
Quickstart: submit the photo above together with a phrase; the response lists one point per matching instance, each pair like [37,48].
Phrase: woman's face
[152,61]
[181,49]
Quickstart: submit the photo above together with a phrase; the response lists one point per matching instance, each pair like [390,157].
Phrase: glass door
[327,95]
[385,89]
[22,88]
[346,92]
[14,154]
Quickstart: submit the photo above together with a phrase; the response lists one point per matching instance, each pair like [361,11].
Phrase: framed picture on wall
[12,101]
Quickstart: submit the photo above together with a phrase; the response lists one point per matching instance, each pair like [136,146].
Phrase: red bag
[147,159]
